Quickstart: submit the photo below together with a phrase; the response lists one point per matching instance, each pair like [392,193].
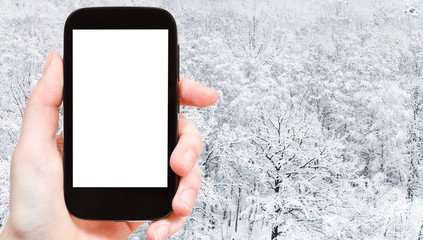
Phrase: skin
[37,206]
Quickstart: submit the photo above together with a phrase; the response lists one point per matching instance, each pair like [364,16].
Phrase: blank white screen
[120,86]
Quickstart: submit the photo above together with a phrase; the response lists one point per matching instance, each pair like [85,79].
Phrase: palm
[103,229]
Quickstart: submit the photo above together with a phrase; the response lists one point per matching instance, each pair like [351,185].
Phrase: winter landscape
[318,130]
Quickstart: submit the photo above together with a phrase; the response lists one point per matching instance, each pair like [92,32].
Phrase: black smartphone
[121,104]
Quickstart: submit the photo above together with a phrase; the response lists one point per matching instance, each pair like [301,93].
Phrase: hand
[37,206]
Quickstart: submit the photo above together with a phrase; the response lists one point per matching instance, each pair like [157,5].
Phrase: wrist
[11,232]
[7,233]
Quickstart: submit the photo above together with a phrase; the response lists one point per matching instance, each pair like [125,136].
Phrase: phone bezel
[121,204]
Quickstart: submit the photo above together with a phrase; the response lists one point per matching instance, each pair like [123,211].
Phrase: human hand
[37,205]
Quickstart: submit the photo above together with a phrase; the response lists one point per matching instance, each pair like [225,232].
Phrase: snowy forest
[318,130]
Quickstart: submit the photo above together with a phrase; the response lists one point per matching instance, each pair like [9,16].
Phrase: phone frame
[120,204]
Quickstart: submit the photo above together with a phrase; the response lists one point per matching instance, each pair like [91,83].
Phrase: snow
[318,130]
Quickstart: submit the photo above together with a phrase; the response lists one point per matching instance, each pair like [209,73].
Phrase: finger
[188,149]
[182,205]
[163,228]
[192,93]
[41,116]
[188,188]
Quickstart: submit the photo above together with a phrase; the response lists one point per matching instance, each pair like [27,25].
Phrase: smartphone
[121,105]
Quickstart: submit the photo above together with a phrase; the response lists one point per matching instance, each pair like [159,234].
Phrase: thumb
[41,116]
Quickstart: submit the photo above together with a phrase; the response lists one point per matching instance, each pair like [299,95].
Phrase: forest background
[318,131]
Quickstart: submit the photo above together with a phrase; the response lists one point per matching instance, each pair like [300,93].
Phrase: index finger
[192,93]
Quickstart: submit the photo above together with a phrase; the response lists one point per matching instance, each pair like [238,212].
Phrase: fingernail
[48,61]
[188,198]
[161,232]
[188,161]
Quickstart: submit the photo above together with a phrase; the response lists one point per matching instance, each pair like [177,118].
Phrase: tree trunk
[237,209]
[212,223]
[275,232]
[275,229]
